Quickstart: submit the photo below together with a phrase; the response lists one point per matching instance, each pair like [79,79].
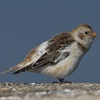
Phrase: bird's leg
[61,80]
[64,81]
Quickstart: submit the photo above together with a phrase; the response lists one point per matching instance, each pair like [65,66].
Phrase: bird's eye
[86,32]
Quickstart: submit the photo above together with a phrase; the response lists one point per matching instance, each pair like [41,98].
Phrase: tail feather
[9,70]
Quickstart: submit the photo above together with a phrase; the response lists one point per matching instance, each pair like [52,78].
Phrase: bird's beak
[94,34]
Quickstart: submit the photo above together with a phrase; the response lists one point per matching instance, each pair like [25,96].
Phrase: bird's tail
[9,70]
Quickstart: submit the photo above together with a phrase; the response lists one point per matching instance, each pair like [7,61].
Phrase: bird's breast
[66,66]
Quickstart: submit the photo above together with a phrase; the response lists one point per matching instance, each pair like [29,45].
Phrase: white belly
[66,66]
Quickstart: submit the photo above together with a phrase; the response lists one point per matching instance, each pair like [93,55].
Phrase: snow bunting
[59,56]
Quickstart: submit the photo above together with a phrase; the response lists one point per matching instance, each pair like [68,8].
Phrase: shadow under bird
[59,56]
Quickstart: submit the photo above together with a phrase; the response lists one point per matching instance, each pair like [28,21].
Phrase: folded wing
[48,53]
[56,50]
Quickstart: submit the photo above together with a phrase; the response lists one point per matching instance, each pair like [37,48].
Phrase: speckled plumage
[59,56]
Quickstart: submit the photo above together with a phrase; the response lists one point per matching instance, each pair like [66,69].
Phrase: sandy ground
[54,91]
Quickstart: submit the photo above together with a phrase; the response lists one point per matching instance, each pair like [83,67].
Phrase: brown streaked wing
[59,42]
[53,55]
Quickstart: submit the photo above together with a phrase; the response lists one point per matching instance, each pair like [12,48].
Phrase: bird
[59,56]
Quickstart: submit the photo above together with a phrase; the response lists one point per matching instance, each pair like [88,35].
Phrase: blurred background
[26,23]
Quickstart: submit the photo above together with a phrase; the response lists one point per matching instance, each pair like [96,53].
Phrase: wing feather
[32,57]
[56,50]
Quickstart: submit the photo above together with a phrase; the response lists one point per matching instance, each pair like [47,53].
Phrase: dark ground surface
[47,91]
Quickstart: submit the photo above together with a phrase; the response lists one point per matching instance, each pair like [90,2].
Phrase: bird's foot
[64,81]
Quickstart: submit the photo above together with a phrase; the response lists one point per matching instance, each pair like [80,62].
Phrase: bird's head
[84,34]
